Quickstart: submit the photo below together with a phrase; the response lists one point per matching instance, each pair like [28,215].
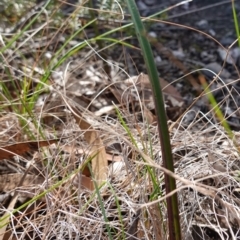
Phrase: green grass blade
[172,203]
[216,108]
[235,19]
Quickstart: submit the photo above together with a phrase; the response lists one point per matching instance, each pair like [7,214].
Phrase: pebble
[231,56]
[158,60]
[150,2]
[235,53]
[216,68]
[227,41]
[207,56]
[212,32]
[178,53]
[224,55]
[152,34]
[202,24]
[48,55]
[141,6]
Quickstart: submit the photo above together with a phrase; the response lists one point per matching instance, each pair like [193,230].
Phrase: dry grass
[206,171]
[59,198]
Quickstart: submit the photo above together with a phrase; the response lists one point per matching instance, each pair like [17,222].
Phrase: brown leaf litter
[98,152]
[208,195]
[24,147]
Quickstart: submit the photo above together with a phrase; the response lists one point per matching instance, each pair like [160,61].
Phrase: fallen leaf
[78,150]
[98,152]
[23,147]
[167,88]
[155,213]
[151,118]
[84,182]
[128,93]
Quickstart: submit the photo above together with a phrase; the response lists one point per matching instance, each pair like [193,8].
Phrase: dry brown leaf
[77,150]
[156,217]
[84,182]
[126,93]
[166,87]
[23,147]
[98,152]
[151,118]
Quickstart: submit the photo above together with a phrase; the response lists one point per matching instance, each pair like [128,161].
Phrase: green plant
[25,91]
[172,202]
[235,18]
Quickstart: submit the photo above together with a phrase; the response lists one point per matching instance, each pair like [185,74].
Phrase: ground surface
[206,160]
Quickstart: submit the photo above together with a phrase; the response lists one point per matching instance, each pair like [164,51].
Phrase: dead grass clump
[128,205]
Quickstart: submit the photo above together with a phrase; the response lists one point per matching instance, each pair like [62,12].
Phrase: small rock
[141,6]
[204,55]
[227,41]
[178,53]
[216,68]
[48,55]
[225,56]
[207,57]
[231,56]
[212,32]
[149,2]
[202,24]
[152,34]
[235,53]
[158,60]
